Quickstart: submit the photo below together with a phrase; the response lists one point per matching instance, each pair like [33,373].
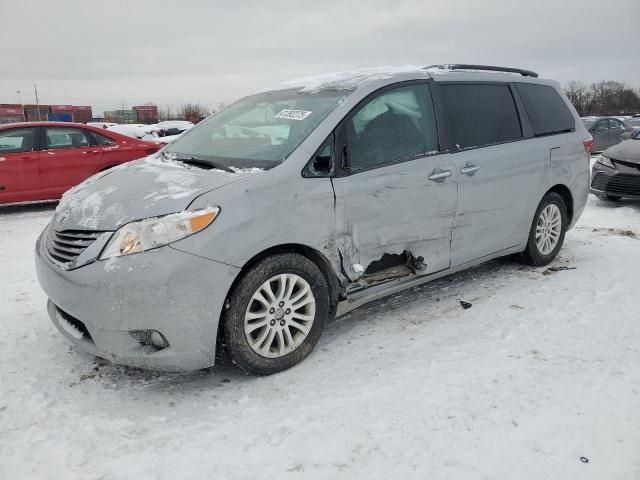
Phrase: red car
[41,160]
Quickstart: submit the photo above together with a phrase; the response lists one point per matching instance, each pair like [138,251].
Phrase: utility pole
[19,99]
[35,89]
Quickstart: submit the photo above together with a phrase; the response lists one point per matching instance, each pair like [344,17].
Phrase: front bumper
[176,293]
[622,181]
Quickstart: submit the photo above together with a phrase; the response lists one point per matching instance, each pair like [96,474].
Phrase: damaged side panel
[392,221]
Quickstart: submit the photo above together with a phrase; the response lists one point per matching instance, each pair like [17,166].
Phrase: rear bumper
[176,293]
[623,181]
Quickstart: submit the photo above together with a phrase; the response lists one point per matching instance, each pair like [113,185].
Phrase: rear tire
[547,231]
[276,314]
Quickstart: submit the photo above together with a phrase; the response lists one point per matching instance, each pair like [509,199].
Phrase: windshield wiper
[200,161]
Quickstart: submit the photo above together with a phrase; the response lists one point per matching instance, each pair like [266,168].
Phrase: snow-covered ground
[543,370]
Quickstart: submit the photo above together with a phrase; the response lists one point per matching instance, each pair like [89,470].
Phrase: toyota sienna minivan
[302,202]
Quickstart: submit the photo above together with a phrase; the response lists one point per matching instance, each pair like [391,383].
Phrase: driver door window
[394,126]
[17,140]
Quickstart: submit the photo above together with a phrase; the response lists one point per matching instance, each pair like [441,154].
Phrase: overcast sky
[110,53]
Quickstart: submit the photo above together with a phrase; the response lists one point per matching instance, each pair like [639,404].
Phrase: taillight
[588,145]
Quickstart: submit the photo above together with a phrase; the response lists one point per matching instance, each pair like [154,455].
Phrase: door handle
[469,170]
[439,175]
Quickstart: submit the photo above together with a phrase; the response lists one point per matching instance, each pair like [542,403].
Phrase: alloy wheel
[279,315]
[548,229]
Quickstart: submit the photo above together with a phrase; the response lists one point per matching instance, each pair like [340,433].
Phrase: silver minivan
[302,202]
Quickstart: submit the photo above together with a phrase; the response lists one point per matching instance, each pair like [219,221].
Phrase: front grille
[619,184]
[67,245]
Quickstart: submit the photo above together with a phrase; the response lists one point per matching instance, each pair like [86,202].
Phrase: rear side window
[481,114]
[546,109]
[601,125]
[99,139]
[62,137]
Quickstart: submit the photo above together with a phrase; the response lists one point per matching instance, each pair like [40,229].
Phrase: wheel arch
[566,195]
[312,254]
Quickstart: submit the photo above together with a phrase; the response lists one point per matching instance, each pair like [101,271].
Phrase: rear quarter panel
[570,169]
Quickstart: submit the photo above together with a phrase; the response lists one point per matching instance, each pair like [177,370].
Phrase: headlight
[155,232]
[606,161]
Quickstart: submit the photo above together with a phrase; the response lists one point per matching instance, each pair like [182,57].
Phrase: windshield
[257,131]
[588,123]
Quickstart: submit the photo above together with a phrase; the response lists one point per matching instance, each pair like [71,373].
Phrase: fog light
[151,338]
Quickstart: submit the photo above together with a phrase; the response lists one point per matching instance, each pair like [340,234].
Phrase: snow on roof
[347,80]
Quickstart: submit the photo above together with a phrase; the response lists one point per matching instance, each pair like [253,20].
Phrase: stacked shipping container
[11,113]
[82,114]
[35,113]
[60,113]
[146,113]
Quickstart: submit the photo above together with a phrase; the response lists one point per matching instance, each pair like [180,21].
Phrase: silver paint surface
[180,290]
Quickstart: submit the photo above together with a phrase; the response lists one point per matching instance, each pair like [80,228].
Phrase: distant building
[147,114]
[121,116]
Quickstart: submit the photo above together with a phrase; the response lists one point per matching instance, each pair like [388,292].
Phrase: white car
[101,124]
[164,140]
[137,130]
[174,127]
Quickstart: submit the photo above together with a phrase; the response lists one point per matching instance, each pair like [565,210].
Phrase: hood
[145,188]
[627,151]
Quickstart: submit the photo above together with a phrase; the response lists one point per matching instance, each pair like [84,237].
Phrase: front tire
[276,314]
[547,231]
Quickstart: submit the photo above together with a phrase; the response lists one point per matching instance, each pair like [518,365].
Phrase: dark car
[616,173]
[606,131]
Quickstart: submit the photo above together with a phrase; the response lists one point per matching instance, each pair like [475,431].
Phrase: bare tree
[193,112]
[165,113]
[603,98]
[579,95]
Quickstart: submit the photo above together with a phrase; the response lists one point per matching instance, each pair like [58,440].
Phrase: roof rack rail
[489,68]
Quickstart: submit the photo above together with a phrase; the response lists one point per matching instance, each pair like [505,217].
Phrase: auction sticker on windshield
[292,114]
